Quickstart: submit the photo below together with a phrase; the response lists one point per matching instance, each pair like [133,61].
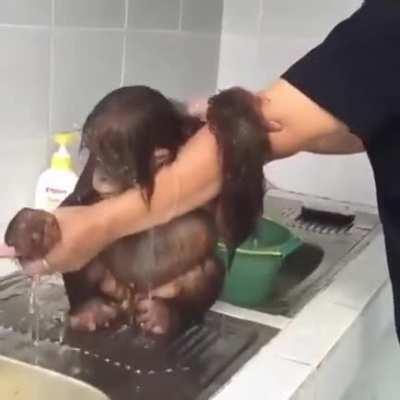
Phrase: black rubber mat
[121,361]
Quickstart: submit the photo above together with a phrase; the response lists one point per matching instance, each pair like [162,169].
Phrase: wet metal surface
[333,233]
[125,365]
[120,361]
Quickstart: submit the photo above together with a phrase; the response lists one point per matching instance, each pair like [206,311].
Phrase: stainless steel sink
[20,381]
[332,232]
[198,362]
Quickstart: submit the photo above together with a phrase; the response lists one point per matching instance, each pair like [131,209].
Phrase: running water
[143,339]
[151,265]
[34,312]
[61,319]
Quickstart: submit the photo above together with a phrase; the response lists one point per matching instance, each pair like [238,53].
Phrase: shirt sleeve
[354,72]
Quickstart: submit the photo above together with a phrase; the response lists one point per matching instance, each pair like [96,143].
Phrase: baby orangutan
[168,276]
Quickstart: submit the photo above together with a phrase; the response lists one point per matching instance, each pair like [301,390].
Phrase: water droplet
[86,353]
[117,363]
[169,370]
[107,360]
[151,372]
[128,367]
[75,371]
[138,371]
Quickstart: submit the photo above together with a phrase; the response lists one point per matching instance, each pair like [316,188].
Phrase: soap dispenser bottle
[58,181]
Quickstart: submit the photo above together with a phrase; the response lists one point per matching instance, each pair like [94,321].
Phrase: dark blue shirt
[355,75]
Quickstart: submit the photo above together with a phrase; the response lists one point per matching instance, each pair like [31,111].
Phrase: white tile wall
[25,12]
[237,56]
[21,163]
[154,14]
[255,58]
[309,18]
[90,13]
[348,178]
[87,65]
[242,17]
[59,57]
[202,16]
[24,82]
[272,63]
[181,65]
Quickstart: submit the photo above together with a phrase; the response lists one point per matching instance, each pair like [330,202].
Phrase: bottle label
[54,198]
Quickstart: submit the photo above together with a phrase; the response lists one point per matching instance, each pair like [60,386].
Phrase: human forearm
[305,125]
[191,181]
[345,143]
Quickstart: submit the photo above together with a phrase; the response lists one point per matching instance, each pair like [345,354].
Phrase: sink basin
[332,234]
[20,381]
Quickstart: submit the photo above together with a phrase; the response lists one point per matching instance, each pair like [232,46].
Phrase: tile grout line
[90,29]
[124,44]
[260,17]
[51,67]
[180,15]
[221,43]
[259,29]
[25,26]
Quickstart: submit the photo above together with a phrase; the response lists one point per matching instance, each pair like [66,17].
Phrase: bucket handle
[290,246]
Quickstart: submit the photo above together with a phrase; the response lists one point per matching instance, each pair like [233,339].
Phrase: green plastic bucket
[257,262]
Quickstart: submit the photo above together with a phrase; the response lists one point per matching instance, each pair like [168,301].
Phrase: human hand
[73,250]
[32,233]
[198,107]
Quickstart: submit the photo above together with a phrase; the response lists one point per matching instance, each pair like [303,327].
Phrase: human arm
[194,178]
[190,181]
[305,125]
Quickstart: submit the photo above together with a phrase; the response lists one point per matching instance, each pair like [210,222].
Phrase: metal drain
[322,223]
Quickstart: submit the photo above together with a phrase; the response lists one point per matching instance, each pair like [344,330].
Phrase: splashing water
[143,339]
[34,311]
[62,326]
[151,264]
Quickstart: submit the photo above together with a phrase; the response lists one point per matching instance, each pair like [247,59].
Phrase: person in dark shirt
[342,97]
[355,75]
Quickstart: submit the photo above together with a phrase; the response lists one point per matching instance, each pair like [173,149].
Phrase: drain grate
[122,362]
[332,233]
[318,222]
